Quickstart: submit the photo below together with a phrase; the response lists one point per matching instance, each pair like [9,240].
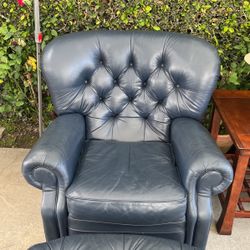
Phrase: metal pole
[38,39]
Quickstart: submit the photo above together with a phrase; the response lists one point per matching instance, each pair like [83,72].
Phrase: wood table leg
[215,126]
[225,222]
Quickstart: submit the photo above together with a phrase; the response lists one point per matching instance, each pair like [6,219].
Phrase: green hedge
[224,23]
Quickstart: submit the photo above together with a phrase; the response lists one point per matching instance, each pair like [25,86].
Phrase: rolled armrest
[199,160]
[52,161]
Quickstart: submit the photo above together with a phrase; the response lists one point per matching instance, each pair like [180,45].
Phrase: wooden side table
[232,107]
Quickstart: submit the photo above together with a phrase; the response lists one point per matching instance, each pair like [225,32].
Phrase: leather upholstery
[50,166]
[204,172]
[51,162]
[128,106]
[201,162]
[129,85]
[135,188]
[112,241]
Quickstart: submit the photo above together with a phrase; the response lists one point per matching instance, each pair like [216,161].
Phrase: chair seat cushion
[127,187]
[111,242]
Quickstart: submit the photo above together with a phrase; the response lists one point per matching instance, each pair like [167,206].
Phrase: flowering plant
[24,2]
[21,2]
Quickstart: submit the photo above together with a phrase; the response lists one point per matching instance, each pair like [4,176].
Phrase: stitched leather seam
[93,130]
[131,117]
[48,244]
[32,177]
[205,172]
[62,243]
[126,224]
[128,201]
[131,232]
[123,242]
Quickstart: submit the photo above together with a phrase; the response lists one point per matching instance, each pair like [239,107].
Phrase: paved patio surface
[21,225]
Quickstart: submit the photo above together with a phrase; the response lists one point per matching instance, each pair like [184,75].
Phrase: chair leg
[48,211]
[62,214]
[204,220]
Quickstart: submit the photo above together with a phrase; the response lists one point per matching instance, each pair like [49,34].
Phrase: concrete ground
[20,221]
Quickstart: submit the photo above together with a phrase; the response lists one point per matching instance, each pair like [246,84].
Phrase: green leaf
[123,16]
[234,78]
[2,109]
[3,29]
[28,2]
[225,29]
[238,47]
[233,65]
[54,33]
[216,40]
[4,59]
[148,9]
[7,36]
[246,39]
[141,23]
[4,66]
[19,103]
[246,3]
[156,28]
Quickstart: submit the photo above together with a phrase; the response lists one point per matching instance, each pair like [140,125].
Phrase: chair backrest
[129,85]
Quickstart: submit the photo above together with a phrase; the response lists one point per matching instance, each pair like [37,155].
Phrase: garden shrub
[224,23]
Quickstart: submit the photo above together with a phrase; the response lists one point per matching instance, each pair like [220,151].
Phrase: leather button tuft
[177,86]
[131,64]
[101,98]
[144,84]
[86,81]
[115,81]
[101,62]
[162,65]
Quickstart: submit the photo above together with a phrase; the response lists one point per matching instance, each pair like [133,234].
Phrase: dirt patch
[19,133]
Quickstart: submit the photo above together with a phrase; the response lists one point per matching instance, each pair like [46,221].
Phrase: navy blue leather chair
[127,152]
[90,241]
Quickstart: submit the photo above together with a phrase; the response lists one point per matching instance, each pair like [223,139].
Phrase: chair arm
[52,161]
[199,160]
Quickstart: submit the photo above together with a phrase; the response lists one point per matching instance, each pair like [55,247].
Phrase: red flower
[40,37]
[20,2]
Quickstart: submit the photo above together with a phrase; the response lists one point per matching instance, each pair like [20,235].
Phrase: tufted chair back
[130,85]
